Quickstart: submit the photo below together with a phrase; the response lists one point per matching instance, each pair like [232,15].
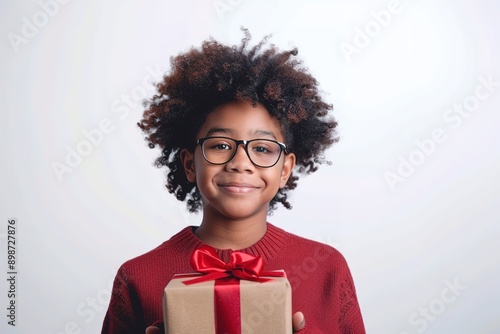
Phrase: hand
[298,322]
[153,330]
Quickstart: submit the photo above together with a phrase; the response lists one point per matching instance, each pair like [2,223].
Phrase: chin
[241,212]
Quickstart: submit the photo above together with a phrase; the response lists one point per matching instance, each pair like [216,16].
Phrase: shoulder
[305,245]
[173,253]
[312,252]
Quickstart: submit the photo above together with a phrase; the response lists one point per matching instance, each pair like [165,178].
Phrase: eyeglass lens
[262,152]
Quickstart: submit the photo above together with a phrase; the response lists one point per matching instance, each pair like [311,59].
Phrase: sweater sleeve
[350,319]
[121,316]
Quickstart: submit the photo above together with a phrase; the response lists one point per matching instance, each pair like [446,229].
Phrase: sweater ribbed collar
[269,246]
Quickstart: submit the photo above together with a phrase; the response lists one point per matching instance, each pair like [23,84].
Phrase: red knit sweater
[322,286]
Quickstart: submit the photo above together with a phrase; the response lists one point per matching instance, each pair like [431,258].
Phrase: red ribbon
[227,288]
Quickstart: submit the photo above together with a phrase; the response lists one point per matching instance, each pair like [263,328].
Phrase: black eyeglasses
[263,153]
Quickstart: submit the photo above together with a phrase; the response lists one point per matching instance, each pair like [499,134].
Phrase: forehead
[241,120]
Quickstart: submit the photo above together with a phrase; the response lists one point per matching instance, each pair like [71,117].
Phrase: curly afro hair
[202,79]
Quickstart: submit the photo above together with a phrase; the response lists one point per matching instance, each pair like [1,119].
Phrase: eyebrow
[227,131]
[213,131]
[266,133]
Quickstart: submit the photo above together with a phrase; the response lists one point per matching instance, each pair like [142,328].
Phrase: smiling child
[236,126]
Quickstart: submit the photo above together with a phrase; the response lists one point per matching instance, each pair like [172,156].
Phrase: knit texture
[322,286]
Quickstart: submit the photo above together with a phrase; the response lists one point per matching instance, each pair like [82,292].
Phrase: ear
[286,171]
[187,159]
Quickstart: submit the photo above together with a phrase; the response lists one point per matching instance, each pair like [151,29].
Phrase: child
[236,125]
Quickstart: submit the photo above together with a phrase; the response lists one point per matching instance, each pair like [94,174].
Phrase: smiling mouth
[238,188]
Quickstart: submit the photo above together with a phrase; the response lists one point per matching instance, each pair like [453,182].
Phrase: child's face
[238,189]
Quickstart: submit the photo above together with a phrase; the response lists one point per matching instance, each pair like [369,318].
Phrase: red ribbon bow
[241,265]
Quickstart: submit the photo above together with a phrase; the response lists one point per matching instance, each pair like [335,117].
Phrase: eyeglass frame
[245,143]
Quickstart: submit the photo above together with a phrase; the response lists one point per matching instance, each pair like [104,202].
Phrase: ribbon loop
[241,265]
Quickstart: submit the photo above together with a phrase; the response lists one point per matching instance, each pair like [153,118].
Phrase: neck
[227,234]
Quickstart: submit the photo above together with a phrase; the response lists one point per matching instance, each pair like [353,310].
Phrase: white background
[406,242]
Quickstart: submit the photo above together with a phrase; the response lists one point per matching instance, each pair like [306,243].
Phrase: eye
[218,144]
[220,147]
[261,149]
[264,147]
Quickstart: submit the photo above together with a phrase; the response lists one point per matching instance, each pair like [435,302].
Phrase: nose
[240,161]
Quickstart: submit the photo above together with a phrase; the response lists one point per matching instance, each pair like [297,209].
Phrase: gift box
[223,302]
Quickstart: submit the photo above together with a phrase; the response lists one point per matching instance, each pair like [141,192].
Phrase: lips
[238,187]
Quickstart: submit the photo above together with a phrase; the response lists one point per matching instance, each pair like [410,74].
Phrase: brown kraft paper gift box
[265,308]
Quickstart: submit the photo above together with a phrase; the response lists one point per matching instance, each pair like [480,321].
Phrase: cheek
[273,177]
[204,173]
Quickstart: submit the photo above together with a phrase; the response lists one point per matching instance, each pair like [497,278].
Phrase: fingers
[298,321]
[153,330]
